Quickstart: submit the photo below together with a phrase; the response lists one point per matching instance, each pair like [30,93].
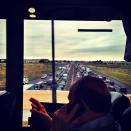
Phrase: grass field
[33,71]
[2,76]
[121,74]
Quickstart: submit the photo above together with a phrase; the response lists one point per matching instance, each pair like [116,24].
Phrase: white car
[28,87]
[107,81]
[99,76]
[43,76]
[65,75]
[25,80]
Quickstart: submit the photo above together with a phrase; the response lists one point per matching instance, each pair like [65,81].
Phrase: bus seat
[7,101]
[126,120]
[119,103]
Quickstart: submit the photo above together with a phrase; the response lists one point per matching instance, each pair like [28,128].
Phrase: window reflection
[2,54]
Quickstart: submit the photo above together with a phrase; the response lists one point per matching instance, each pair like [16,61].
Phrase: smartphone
[34,121]
[52,107]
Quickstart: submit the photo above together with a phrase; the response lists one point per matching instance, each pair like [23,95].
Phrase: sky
[2,38]
[69,43]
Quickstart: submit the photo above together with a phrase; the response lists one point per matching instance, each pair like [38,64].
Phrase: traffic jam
[66,74]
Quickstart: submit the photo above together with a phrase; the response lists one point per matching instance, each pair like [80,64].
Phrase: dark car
[112,83]
[104,78]
[123,90]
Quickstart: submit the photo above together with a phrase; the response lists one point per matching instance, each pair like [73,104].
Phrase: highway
[68,73]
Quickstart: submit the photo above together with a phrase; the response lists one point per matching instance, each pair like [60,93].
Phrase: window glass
[37,63]
[99,54]
[77,54]
[2,54]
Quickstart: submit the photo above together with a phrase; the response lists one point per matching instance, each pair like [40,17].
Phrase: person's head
[93,91]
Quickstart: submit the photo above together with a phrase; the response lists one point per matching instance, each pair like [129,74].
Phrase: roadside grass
[120,74]
[33,71]
[2,85]
[2,76]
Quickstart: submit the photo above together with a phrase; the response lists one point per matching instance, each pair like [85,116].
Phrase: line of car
[62,76]
[112,86]
[46,80]
[82,70]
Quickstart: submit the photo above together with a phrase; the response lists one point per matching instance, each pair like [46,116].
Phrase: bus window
[91,48]
[98,52]
[37,79]
[2,54]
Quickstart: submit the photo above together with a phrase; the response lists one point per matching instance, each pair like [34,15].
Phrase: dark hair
[94,92]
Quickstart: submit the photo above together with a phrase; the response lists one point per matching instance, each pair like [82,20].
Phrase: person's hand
[42,118]
[87,115]
[62,121]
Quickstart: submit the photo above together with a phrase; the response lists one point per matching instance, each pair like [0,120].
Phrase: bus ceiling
[66,9]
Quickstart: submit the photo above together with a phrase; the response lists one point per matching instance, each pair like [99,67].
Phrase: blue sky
[71,44]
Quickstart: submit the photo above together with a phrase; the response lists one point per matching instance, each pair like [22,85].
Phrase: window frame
[15,60]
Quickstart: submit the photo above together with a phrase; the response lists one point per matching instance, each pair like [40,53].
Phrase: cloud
[75,45]
[69,43]
[105,49]
[2,50]
[2,38]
